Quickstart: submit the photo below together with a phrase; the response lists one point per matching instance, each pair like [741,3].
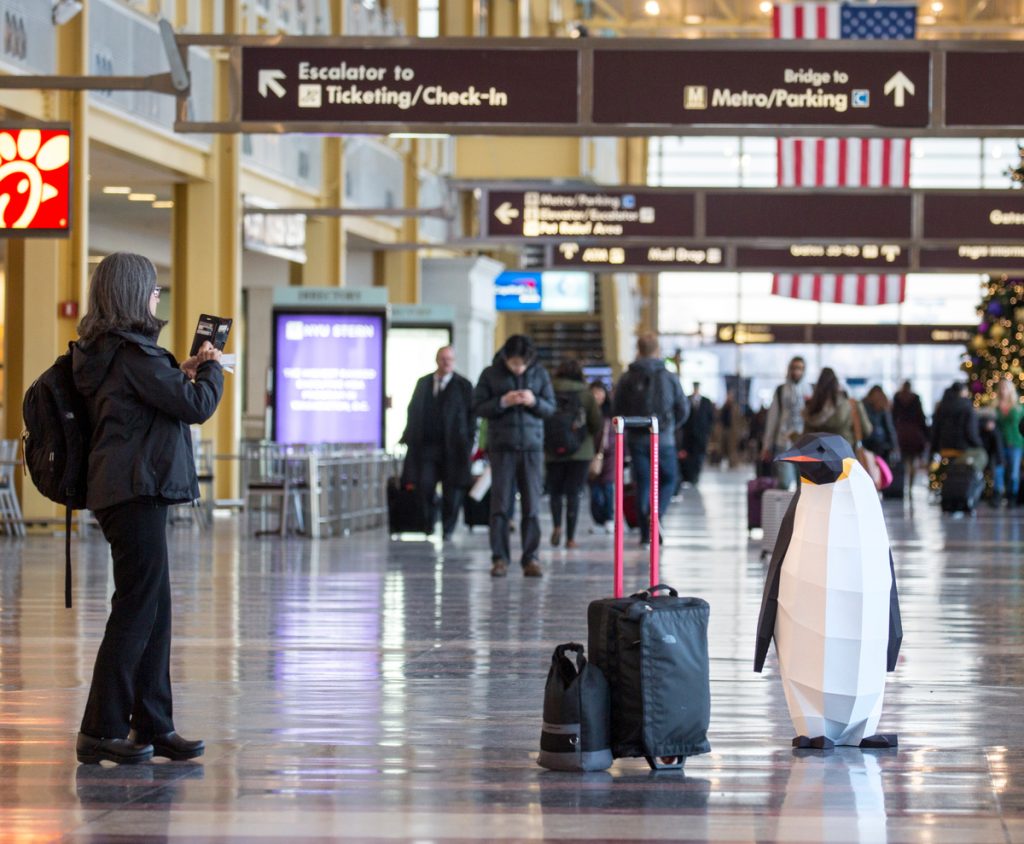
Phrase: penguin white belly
[832,627]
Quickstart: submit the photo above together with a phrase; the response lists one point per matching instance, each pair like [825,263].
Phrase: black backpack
[636,391]
[565,430]
[56,444]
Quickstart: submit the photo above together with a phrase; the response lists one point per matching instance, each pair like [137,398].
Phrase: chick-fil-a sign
[35,167]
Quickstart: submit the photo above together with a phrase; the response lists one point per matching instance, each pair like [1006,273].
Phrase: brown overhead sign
[730,87]
[422,86]
[597,86]
[813,333]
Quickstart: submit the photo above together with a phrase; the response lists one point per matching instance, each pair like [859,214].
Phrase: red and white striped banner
[839,162]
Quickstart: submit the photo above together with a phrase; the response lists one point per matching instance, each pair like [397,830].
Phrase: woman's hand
[206,352]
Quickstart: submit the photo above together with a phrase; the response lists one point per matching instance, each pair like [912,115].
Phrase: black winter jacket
[955,425]
[517,428]
[670,405]
[455,410]
[140,406]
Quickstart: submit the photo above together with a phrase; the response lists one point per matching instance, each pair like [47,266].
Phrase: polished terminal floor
[359,688]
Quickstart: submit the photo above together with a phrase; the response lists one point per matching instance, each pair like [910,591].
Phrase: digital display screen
[329,377]
[35,179]
[552,291]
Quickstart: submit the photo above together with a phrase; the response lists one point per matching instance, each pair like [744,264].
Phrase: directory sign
[35,182]
[410,85]
[667,257]
[867,257]
[777,87]
[974,257]
[329,377]
[587,213]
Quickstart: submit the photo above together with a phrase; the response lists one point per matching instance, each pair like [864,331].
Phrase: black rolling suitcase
[477,513]
[961,488]
[898,487]
[405,508]
[652,647]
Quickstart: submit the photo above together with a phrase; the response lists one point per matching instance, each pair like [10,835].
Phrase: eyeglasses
[156,291]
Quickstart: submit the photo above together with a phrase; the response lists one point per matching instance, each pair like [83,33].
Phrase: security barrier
[320,489]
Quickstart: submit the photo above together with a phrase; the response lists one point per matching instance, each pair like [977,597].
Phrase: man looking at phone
[515,395]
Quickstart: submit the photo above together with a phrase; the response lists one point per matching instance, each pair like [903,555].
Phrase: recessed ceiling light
[141,197]
[117,189]
[652,8]
[164,203]
[765,7]
[693,20]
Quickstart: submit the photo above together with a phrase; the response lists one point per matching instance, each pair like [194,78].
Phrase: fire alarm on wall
[68,310]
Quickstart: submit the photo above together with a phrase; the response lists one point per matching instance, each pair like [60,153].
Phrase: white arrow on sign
[506,213]
[899,85]
[268,82]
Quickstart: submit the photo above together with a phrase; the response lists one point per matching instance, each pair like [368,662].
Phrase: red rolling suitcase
[652,648]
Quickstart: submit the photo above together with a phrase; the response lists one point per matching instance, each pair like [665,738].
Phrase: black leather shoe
[92,750]
[172,746]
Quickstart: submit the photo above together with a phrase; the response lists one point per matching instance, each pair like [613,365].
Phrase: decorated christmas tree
[994,352]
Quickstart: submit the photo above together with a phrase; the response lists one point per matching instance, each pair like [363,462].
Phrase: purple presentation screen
[328,378]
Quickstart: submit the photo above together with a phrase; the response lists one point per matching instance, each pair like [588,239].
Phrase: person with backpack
[514,395]
[140,403]
[649,389]
[570,434]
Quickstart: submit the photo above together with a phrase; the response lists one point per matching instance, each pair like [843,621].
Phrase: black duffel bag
[575,735]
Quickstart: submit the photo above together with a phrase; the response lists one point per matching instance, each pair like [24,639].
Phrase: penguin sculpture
[830,600]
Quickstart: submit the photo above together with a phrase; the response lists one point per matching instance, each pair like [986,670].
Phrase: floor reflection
[361,688]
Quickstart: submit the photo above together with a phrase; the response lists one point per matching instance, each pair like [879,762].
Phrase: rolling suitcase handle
[620,423]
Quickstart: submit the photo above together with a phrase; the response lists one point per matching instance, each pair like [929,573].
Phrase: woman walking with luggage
[140,404]
[577,421]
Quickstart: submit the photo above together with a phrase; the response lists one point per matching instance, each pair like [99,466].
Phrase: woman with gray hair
[140,403]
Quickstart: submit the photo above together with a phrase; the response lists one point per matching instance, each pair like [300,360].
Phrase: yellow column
[41,272]
[399,270]
[458,18]
[325,236]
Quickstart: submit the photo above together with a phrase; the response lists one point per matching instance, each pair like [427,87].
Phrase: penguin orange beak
[799,458]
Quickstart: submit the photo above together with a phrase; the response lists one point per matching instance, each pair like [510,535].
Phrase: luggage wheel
[666,763]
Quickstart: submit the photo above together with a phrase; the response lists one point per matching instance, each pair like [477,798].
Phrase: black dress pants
[430,470]
[131,682]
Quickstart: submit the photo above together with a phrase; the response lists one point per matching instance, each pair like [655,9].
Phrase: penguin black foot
[817,743]
[882,740]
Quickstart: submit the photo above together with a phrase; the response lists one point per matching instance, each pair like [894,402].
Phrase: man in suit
[695,435]
[439,433]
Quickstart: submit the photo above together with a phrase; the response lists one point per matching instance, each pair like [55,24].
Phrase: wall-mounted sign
[280,235]
[750,333]
[35,182]
[731,87]
[418,85]
[587,213]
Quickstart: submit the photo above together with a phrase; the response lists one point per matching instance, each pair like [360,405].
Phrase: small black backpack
[565,430]
[56,444]
[635,393]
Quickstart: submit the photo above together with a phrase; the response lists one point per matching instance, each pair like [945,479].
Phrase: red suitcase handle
[619,424]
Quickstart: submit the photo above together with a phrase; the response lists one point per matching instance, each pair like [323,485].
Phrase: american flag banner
[843,162]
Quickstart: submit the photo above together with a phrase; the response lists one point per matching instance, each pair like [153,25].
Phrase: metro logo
[34,180]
